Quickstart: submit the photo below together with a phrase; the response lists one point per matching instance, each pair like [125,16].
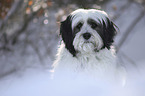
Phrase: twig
[14,8]
[122,9]
[8,73]
[24,26]
[128,59]
[36,50]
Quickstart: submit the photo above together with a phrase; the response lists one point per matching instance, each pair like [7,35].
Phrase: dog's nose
[86,36]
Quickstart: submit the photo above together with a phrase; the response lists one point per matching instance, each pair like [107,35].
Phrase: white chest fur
[97,65]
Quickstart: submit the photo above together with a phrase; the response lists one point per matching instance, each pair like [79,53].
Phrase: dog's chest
[89,64]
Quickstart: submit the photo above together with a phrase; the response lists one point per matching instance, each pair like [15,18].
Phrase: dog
[87,46]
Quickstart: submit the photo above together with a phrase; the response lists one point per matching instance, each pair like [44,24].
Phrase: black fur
[105,29]
[67,35]
[108,33]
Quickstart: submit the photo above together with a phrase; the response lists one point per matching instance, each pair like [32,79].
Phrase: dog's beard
[86,46]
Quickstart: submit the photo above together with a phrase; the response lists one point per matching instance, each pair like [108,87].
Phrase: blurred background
[29,31]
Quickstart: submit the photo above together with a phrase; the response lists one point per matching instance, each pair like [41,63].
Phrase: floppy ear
[67,36]
[109,33]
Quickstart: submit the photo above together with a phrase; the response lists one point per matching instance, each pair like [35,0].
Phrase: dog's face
[87,31]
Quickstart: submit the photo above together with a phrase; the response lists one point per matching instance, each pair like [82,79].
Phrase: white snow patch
[39,83]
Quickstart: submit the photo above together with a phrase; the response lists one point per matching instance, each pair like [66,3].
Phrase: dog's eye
[78,27]
[93,25]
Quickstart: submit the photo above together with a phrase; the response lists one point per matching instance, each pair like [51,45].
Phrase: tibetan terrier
[86,47]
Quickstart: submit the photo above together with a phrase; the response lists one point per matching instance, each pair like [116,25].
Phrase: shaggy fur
[86,48]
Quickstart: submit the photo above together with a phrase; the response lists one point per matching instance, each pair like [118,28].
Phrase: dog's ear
[109,32]
[66,34]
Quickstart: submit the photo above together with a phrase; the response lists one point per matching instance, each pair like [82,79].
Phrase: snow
[38,82]
[30,84]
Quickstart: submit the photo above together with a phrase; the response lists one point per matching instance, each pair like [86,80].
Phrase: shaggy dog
[86,48]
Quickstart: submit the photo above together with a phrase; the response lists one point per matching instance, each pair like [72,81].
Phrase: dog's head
[87,31]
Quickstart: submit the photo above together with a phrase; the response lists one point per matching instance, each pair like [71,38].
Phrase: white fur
[84,14]
[87,62]
[99,66]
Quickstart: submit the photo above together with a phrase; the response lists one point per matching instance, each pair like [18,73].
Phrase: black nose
[86,36]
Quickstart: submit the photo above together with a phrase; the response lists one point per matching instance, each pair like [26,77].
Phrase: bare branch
[14,8]
[24,26]
[129,30]
[8,73]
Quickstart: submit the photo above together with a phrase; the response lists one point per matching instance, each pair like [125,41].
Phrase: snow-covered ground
[37,81]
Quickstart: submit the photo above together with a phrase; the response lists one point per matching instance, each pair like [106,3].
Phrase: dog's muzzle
[87,42]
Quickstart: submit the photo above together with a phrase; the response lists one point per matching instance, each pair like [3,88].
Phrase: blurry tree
[15,16]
